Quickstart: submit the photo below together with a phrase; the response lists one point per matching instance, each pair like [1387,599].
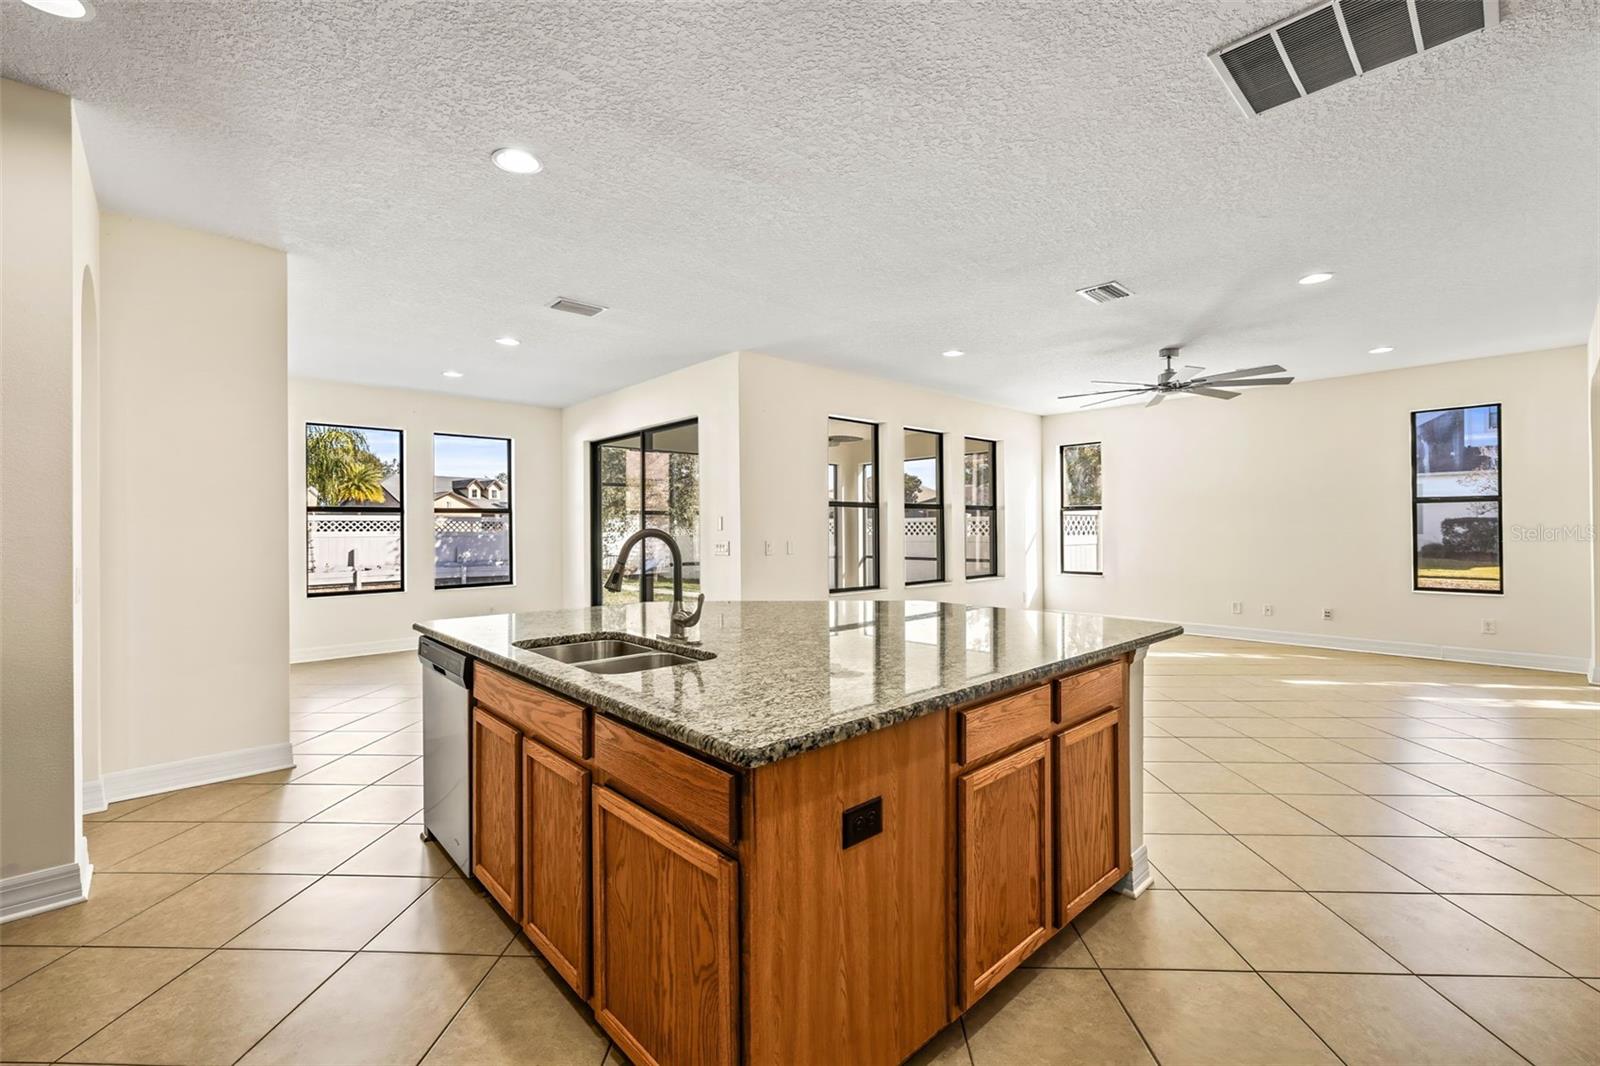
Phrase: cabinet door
[497,809]
[1091,811]
[555,867]
[1003,818]
[665,938]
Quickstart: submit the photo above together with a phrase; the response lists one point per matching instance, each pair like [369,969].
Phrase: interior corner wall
[194,369]
[39,826]
[1300,498]
[331,626]
[1594,500]
[784,409]
[86,484]
[708,392]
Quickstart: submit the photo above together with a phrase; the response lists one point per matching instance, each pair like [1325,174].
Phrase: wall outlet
[1490,627]
[1327,614]
[722,548]
[1238,607]
[788,547]
[1266,609]
[766,547]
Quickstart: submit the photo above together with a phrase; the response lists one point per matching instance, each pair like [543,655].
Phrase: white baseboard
[48,889]
[1562,664]
[202,770]
[1139,878]
[94,796]
[350,651]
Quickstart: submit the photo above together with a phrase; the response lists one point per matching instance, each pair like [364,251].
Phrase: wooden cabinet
[497,809]
[679,785]
[665,938]
[1090,815]
[555,861]
[1003,813]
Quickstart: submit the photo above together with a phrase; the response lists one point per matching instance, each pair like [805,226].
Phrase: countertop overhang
[791,676]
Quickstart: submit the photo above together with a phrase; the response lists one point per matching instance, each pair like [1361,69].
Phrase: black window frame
[596,580]
[992,508]
[1098,508]
[874,553]
[936,505]
[1498,499]
[510,508]
[400,475]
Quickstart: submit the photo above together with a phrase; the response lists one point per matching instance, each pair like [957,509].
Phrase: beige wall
[1300,497]
[1594,500]
[331,626]
[38,805]
[195,374]
[708,392]
[86,518]
[783,411]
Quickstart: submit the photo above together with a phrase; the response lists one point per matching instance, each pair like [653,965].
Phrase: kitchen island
[821,837]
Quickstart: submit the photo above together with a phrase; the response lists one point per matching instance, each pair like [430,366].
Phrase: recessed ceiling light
[1316,279]
[451,374]
[516,161]
[1380,350]
[67,9]
[507,342]
[954,354]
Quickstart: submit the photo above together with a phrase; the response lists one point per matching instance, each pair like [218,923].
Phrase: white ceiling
[860,184]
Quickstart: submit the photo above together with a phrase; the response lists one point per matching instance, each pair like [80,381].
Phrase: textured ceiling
[860,184]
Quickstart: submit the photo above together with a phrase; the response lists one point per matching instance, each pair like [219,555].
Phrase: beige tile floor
[1358,858]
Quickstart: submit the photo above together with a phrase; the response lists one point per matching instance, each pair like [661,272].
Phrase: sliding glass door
[648,478]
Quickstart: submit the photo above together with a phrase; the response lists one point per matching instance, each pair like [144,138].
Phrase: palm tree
[340,466]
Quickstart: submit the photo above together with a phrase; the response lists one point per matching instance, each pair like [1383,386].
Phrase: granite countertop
[788,677]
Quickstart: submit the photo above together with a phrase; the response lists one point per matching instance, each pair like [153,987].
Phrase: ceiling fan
[1170,381]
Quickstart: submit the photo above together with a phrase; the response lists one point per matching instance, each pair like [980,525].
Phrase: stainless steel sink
[628,664]
[611,656]
[589,650]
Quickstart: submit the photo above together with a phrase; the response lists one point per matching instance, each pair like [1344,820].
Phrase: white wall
[707,391]
[1594,499]
[784,409]
[86,467]
[332,626]
[38,750]
[1300,497]
[194,371]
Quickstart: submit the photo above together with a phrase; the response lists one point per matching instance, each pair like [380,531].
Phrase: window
[1455,497]
[1080,508]
[471,511]
[978,495]
[924,520]
[354,510]
[853,508]
[648,478]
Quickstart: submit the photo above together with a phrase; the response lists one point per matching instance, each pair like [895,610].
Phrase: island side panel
[847,953]
[1139,877]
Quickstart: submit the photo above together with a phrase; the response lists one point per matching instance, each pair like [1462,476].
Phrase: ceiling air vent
[1337,41]
[576,307]
[1104,294]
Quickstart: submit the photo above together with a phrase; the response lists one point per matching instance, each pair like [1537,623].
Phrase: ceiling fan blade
[1107,399]
[1101,392]
[1258,381]
[1189,372]
[1203,390]
[1140,384]
[1249,372]
[1157,398]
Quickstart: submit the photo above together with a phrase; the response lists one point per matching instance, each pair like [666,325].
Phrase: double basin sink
[614,656]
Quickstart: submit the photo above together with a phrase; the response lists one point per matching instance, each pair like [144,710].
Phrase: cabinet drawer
[556,721]
[1009,720]
[1084,695]
[675,783]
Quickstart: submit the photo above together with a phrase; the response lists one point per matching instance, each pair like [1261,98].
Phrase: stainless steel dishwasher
[446,765]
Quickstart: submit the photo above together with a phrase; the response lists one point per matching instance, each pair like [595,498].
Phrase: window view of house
[648,478]
[1080,509]
[853,508]
[978,497]
[471,511]
[1456,499]
[924,518]
[354,510]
